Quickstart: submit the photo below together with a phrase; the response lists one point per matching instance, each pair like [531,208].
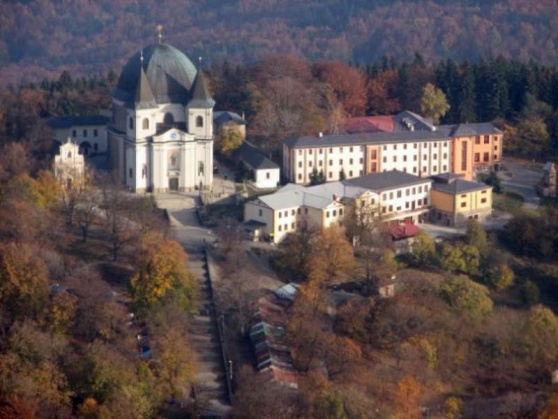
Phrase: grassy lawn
[507,202]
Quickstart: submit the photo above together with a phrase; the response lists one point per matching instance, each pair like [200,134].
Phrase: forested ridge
[39,38]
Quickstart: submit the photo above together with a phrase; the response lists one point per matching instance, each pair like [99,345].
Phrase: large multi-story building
[414,145]
[393,196]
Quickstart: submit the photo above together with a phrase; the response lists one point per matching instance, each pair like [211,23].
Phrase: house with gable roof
[263,173]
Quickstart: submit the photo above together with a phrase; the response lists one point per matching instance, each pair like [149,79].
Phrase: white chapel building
[161,132]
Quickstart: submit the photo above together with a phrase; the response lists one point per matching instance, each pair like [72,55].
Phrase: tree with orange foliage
[23,283]
[382,98]
[332,258]
[162,274]
[407,398]
[348,85]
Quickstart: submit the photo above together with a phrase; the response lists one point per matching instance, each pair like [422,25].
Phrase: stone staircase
[211,384]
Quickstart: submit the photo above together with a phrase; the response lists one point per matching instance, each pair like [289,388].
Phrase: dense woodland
[283,96]
[39,37]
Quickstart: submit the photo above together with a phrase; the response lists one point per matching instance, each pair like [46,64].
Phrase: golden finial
[160,32]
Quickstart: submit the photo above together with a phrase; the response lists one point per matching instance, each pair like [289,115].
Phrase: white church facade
[161,131]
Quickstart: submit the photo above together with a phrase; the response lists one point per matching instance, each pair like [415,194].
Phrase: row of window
[167,120]
[320,162]
[485,157]
[408,206]
[408,191]
[85,133]
[415,146]
[321,150]
[293,212]
[464,203]
[415,157]
[334,213]
[486,139]
[425,169]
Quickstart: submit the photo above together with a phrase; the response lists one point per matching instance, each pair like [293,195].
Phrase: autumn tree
[259,397]
[499,276]
[476,236]
[407,398]
[460,258]
[423,250]
[29,368]
[228,140]
[466,296]
[175,365]
[14,162]
[23,283]
[433,103]
[530,137]
[162,275]
[295,253]
[347,83]
[539,342]
[308,326]
[381,94]
[332,257]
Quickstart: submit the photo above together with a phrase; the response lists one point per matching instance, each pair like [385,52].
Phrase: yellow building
[455,200]
[476,148]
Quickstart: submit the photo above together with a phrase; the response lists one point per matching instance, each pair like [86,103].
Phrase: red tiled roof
[404,231]
[360,124]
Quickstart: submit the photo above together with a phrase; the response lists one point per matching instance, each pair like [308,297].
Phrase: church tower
[200,109]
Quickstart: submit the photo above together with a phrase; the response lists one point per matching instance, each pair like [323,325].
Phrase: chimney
[335,197]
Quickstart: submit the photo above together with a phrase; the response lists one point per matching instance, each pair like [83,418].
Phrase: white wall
[424,159]
[267,178]
[394,203]
[330,160]
[85,133]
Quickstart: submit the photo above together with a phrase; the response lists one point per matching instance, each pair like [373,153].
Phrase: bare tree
[116,207]
[85,210]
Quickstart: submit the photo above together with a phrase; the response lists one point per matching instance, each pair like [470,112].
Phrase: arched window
[145,123]
[199,121]
[131,123]
[169,119]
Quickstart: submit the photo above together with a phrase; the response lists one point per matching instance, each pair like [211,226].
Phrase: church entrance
[173,184]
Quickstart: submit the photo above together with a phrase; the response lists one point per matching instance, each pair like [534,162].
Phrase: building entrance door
[173,184]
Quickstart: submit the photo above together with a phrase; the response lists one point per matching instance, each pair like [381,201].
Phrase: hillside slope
[38,38]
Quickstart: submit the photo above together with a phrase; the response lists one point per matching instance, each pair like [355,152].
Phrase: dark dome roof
[170,74]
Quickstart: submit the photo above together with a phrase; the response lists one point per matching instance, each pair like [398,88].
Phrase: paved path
[521,179]
[211,389]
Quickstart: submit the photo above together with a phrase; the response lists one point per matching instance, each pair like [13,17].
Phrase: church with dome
[161,132]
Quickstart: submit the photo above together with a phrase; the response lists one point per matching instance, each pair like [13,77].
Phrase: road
[520,179]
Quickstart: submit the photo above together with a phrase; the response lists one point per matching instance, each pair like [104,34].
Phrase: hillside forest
[39,38]
[284,96]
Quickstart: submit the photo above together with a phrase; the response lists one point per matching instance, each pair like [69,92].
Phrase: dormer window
[199,121]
